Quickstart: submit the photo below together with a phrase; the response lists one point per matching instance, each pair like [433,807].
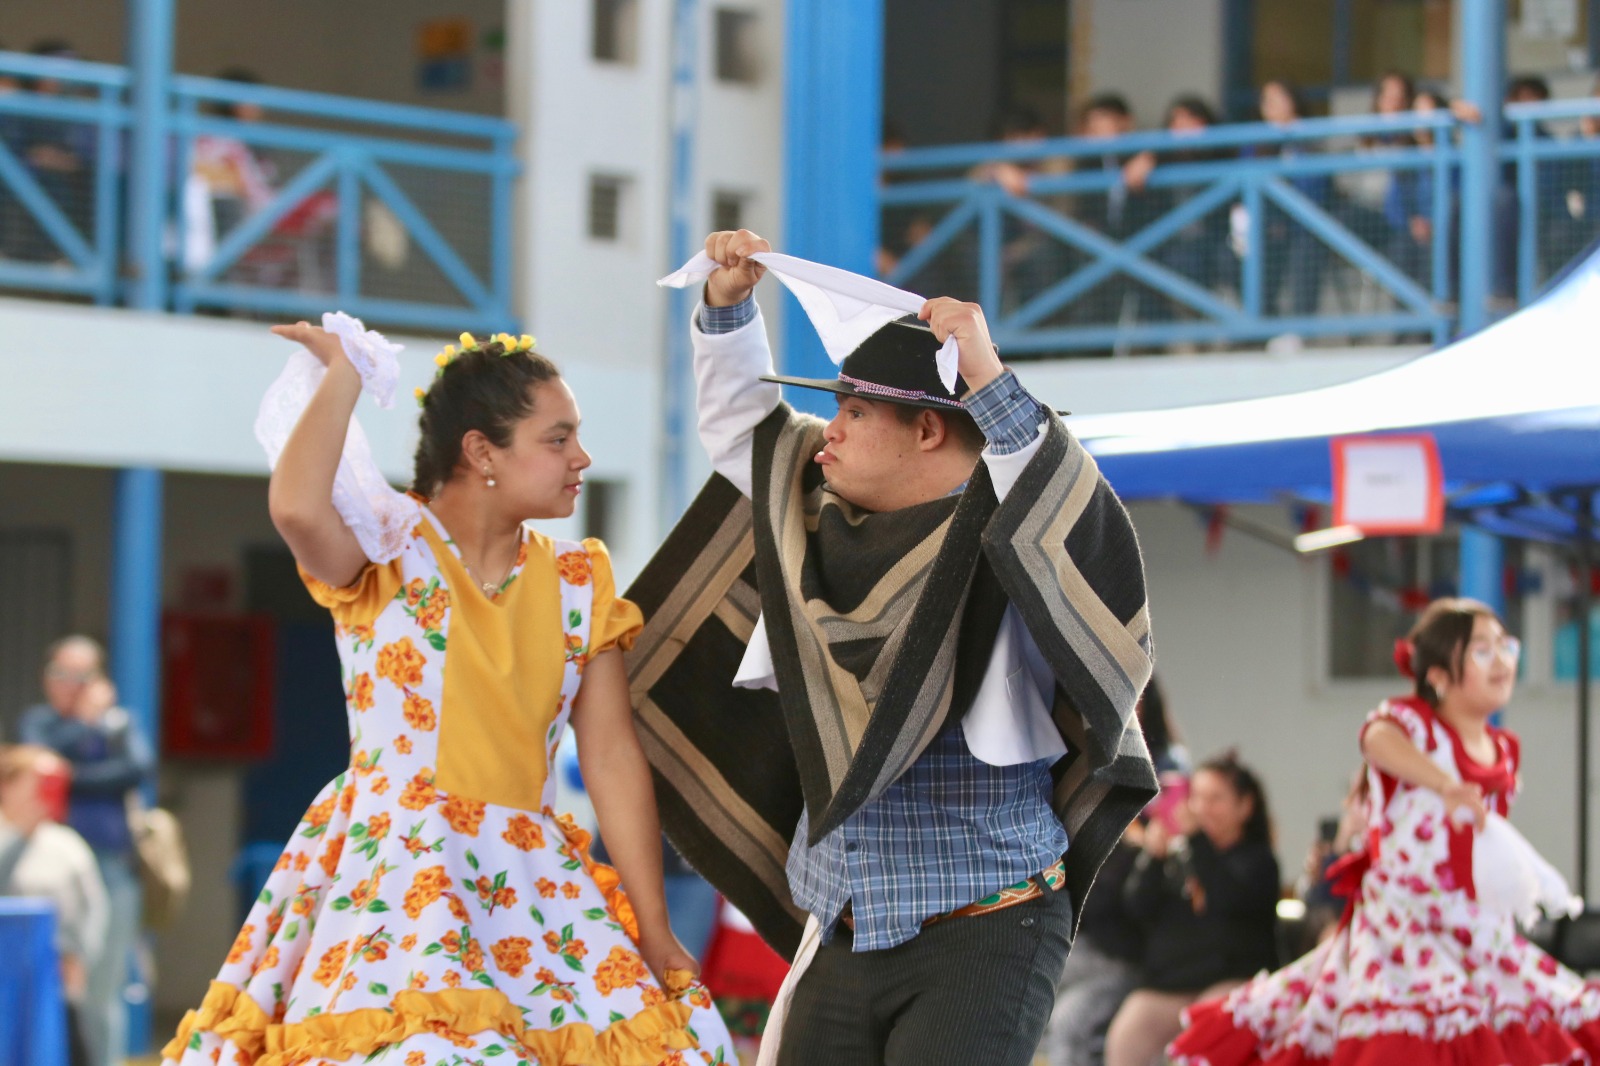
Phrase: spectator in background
[1199,251]
[80,721]
[228,182]
[1104,964]
[1409,201]
[59,156]
[40,859]
[1107,117]
[1208,901]
[1030,260]
[1523,89]
[1295,261]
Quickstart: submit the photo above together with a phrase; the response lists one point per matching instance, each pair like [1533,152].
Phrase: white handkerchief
[845,308]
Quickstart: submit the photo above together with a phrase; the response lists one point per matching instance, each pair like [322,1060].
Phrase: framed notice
[1388,485]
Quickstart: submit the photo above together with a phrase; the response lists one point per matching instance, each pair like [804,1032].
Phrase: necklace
[490,589]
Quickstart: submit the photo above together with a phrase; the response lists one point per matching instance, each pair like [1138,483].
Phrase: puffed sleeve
[360,602]
[1408,717]
[614,621]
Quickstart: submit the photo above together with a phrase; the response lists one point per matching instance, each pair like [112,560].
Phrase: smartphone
[1327,830]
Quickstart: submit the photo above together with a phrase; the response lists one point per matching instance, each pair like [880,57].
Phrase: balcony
[276,202]
[1326,231]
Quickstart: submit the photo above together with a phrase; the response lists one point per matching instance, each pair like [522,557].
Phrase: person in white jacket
[42,859]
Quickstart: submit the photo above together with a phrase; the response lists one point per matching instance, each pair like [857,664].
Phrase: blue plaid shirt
[952,829]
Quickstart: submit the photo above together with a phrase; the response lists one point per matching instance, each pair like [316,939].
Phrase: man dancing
[888,681]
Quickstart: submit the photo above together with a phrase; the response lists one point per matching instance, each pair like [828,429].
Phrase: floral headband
[509,345]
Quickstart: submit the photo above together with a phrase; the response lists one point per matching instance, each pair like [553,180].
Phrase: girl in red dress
[1427,966]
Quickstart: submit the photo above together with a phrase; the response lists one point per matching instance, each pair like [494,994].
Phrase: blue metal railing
[399,214]
[1240,233]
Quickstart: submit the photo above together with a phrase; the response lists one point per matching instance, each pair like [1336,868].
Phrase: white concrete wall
[1150,51]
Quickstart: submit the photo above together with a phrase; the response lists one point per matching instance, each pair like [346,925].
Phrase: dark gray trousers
[966,990]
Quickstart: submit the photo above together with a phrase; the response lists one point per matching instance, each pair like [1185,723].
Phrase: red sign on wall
[217,686]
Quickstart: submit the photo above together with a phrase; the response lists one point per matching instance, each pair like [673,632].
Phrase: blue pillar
[1482,58]
[1483,568]
[136,644]
[150,34]
[677,386]
[833,125]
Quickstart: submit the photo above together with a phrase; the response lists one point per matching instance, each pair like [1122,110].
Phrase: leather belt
[1021,892]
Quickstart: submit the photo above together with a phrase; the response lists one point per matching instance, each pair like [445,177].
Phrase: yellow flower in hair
[467,343]
[442,360]
[525,343]
[420,393]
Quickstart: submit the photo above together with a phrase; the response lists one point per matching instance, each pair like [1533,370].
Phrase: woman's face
[542,469]
[1276,103]
[1488,671]
[1219,811]
[1392,96]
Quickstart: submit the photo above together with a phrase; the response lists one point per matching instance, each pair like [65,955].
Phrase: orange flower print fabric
[486,927]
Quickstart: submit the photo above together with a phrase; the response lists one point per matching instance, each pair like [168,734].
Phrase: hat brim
[844,388]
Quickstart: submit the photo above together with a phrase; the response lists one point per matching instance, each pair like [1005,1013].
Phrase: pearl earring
[488,477]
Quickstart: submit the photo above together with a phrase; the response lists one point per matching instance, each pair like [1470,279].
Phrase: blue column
[833,125]
[1481,57]
[150,34]
[677,386]
[136,644]
[1483,568]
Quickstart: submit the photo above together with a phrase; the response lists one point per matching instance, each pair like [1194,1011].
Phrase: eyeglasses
[1483,652]
[76,677]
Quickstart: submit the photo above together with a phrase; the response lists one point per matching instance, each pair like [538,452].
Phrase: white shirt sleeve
[731,398]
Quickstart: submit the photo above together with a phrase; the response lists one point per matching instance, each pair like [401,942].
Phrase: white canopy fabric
[1514,405]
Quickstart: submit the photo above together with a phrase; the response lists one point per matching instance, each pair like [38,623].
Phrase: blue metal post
[150,34]
[833,119]
[1482,63]
[136,641]
[677,386]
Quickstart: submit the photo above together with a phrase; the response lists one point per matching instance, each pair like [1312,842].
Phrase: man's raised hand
[948,317]
[736,275]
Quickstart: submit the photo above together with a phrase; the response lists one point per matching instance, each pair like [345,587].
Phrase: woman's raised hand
[314,339]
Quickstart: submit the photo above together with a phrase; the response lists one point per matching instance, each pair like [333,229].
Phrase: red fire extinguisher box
[217,686]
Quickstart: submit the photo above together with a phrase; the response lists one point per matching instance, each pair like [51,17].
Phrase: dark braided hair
[1440,638]
[1244,783]
[487,388]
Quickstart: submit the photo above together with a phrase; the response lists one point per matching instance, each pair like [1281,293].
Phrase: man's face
[66,676]
[867,453]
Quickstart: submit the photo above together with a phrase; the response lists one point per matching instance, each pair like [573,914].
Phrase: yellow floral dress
[431,908]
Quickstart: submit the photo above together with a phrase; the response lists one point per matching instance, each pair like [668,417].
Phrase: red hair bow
[1403,651]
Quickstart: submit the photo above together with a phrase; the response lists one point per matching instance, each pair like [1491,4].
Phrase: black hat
[894,365]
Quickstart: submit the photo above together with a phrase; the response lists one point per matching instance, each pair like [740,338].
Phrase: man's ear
[931,429]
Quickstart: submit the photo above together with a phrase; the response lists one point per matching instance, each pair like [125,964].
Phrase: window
[1379,586]
[616,31]
[738,57]
[727,210]
[608,200]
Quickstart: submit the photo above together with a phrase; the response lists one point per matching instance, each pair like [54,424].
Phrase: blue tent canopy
[1514,408]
